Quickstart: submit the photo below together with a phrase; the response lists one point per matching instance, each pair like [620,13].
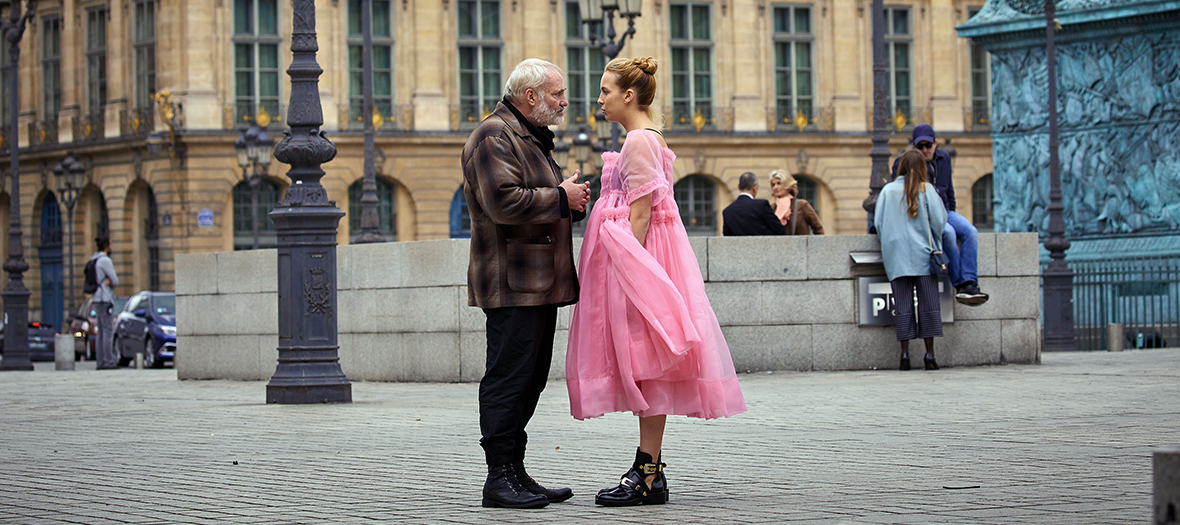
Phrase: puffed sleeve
[641,165]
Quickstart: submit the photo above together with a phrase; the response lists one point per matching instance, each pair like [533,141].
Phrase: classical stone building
[746,85]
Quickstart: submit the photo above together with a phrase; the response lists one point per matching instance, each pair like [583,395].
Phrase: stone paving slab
[1065,442]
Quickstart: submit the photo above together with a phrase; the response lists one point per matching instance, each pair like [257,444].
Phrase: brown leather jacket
[521,246]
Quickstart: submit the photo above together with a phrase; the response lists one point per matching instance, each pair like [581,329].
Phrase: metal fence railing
[1143,295]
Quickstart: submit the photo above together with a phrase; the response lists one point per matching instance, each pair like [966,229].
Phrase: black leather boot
[633,490]
[502,489]
[526,481]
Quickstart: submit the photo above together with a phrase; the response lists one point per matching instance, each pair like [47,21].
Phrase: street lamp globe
[242,151]
[252,149]
[591,10]
[561,152]
[630,8]
[265,149]
[582,147]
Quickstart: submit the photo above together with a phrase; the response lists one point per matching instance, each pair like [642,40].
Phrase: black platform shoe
[930,363]
[526,481]
[502,489]
[633,490]
[905,361]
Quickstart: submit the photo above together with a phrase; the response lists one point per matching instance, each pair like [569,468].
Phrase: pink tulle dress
[643,337]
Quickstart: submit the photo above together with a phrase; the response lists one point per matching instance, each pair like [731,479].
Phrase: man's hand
[577,194]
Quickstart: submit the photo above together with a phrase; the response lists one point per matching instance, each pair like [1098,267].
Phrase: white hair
[532,73]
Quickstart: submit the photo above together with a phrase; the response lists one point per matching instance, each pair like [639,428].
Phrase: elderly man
[521,268]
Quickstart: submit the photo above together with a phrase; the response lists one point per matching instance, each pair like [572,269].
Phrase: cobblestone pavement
[1068,441]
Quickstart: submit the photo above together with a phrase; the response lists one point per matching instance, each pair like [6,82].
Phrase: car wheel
[149,356]
[118,349]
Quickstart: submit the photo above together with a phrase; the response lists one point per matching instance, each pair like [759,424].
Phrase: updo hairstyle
[638,74]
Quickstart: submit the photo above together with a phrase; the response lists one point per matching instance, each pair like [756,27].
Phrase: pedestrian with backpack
[103,302]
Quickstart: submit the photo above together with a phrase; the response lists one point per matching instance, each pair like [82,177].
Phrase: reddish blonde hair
[638,74]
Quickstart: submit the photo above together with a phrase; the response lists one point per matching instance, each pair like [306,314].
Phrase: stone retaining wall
[784,303]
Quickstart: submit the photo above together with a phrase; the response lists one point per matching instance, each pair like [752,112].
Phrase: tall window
[692,62]
[268,196]
[480,72]
[96,59]
[792,62]
[696,196]
[808,190]
[898,38]
[981,203]
[145,52]
[981,93]
[460,216]
[51,66]
[151,236]
[584,65]
[382,37]
[256,58]
[386,209]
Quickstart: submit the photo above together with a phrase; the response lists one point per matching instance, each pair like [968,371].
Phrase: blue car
[147,325]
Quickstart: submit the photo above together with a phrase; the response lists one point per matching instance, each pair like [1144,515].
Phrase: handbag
[938,259]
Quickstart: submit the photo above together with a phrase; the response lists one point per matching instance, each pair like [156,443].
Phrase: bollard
[1166,467]
[1114,337]
[139,360]
[63,351]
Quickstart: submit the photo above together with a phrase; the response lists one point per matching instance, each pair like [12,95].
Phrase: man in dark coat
[960,239]
[521,268]
[747,215]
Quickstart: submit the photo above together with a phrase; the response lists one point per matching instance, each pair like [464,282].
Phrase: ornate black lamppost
[370,229]
[254,150]
[69,175]
[305,221]
[598,11]
[1057,277]
[880,152]
[16,295]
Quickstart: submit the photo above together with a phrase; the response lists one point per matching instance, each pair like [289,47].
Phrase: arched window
[981,204]
[696,197]
[50,257]
[460,217]
[268,196]
[808,189]
[386,209]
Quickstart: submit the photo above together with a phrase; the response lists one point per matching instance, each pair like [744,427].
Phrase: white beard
[545,115]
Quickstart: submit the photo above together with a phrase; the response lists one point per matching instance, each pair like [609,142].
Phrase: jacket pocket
[530,264]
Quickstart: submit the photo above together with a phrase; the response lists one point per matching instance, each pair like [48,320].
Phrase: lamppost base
[1058,290]
[308,375]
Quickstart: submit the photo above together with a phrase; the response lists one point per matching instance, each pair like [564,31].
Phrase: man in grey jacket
[102,302]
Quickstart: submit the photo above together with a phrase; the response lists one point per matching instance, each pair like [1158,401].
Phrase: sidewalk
[1066,442]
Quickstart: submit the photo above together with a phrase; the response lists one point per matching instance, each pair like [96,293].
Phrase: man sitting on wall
[963,258]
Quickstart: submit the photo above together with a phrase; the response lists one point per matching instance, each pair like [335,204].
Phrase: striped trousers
[928,321]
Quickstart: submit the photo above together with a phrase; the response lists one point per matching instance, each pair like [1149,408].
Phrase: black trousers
[520,349]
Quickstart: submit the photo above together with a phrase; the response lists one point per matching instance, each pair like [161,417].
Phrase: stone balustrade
[784,303]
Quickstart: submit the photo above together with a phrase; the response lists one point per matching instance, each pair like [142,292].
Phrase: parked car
[147,324]
[84,325]
[41,343]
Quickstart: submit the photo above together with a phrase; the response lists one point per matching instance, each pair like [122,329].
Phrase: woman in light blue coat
[909,218]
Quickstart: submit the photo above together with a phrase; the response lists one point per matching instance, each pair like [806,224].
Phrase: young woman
[643,337]
[909,219]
